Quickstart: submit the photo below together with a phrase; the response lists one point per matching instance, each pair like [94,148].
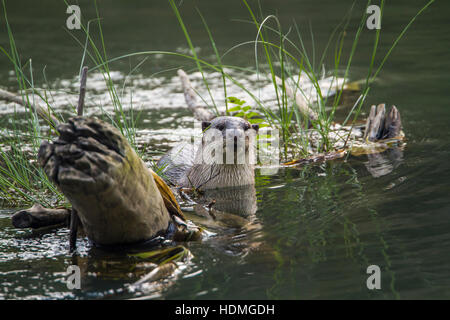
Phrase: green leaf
[253,114]
[254,121]
[235,100]
[237,108]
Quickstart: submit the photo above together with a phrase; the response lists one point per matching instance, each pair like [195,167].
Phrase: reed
[280,58]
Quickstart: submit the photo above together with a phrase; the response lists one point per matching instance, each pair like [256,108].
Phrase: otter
[224,158]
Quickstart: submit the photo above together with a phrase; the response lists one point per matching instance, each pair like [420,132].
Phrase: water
[318,227]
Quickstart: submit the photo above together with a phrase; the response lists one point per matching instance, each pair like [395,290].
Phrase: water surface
[318,227]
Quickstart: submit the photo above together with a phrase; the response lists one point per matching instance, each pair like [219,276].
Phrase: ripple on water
[32,264]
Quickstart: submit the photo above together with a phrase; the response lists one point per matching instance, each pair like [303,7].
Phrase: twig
[82,91]
[74,219]
[74,223]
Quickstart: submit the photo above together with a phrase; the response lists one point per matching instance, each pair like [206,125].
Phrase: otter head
[229,140]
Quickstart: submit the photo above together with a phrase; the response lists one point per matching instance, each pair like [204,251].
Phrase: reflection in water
[232,213]
[329,231]
[140,275]
[237,201]
[381,164]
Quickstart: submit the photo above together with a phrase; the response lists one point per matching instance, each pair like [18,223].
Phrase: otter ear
[255,127]
[205,125]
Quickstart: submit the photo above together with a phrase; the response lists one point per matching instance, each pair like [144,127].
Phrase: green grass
[285,58]
[278,54]
[22,181]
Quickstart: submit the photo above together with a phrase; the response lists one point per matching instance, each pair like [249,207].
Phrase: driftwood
[200,113]
[304,108]
[380,126]
[115,195]
[38,217]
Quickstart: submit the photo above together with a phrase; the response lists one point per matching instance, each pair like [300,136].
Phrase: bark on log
[116,196]
[38,217]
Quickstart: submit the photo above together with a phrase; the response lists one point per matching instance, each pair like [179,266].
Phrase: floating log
[115,195]
[38,217]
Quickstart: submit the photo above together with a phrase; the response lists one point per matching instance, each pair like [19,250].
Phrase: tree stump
[114,193]
[380,126]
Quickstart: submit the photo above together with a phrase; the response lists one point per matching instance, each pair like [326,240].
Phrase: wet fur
[187,166]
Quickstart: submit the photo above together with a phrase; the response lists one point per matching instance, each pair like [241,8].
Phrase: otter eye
[246,127]
[220,127]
